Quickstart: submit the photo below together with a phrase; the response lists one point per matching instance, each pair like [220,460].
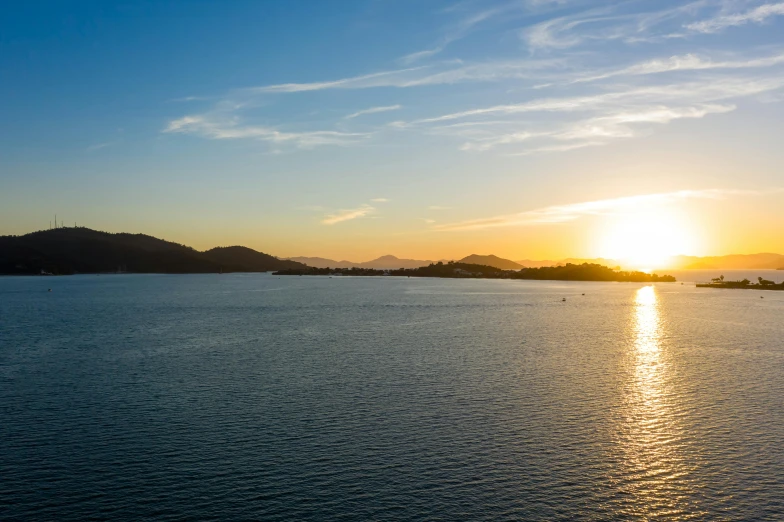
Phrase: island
[456,270]
[745,284]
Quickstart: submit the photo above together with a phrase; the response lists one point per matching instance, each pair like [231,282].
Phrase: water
[242,397]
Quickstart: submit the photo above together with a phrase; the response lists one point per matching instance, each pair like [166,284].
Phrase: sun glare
[645,241]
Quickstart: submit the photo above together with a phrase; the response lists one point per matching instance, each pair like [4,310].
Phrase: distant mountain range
[82,250]
[388,262]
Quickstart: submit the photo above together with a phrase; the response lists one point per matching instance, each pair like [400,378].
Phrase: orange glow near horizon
[647,240]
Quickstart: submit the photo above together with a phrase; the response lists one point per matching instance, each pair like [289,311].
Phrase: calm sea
[255,397]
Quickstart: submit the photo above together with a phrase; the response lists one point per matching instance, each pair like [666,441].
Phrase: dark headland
[72,250]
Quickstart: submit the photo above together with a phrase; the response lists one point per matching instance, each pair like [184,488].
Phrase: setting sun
[646,240]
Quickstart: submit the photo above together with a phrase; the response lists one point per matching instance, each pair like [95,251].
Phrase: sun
[646,240]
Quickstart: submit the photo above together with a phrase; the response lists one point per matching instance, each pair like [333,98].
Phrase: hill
[321,262]
[82,250]
[246,259]
[392,262]
[491,260]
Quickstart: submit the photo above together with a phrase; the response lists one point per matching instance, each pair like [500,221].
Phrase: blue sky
[355,129]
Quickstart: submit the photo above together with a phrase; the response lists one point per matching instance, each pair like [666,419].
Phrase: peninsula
[568,272]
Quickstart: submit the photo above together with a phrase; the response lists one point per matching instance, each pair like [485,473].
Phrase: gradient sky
[352,129]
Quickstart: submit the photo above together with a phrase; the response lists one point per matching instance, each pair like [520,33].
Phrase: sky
[529,129]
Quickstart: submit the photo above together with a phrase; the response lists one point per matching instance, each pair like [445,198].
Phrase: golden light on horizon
[647,240]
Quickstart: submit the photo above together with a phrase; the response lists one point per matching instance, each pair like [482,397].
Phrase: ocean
[259,397]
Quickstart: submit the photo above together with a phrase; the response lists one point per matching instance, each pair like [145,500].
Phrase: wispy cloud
[614,23]
[99,146]
[222,128]
[379,79]
[437,74]
[588,132]
[565,213]
[380,200]
[688,62]
[557,148]
[702,91]
[192,98]
[456,32]
[347,214]
[596,119]
[757,15]
[373,110]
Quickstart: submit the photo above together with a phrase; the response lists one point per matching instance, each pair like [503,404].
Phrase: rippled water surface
[309,398]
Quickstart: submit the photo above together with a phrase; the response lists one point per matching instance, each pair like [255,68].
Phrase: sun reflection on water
[655,472]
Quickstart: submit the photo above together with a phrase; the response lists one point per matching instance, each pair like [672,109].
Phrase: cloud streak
[347,215]
[456,32]
[373,110]
[616,23]
[757,15]
[688,62]
[568,123]
[437,74]
[223,128]
[571,212]
[617,125]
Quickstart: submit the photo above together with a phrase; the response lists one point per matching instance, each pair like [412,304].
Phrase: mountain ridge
[82,250]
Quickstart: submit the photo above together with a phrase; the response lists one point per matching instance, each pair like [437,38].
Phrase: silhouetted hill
[491,260]
[247,260]
[322,262]
[82,250]
[392,262]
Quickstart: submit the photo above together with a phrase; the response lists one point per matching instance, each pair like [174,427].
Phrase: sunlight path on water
[657,470]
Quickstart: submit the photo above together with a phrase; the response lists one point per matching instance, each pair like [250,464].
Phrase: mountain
[392,262]
[322,262]
[387,262]
[247,259]
[491,260]
[82,250]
